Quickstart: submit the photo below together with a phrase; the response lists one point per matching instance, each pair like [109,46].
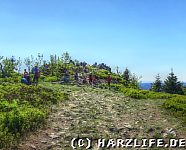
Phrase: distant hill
[147,86]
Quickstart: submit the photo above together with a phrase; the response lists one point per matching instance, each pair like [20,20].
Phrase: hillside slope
[101,113]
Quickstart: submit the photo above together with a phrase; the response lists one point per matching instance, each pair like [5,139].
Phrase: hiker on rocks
[90,79]
[25,74]
[66,77]
[109,79]
[76,76]
[36,72]
[24,81]
[94,79]
[27,77]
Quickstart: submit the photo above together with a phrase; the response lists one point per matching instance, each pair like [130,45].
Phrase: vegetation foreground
[102,113]
[23,109]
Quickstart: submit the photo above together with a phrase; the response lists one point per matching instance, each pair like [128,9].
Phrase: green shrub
[34,95]
[51,79]
[14,79]
[17,122]
[133,93]
[141,94]
[26,113]
[176,104]
[6,106]
[23,120]
[42,78]
[101,75]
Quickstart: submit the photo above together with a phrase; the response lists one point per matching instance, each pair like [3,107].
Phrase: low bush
[23,109]
[14,79]
[51,79]
[177,107]
[177,104]
[140,94]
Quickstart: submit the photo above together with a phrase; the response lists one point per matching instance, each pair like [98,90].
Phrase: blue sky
[147,36]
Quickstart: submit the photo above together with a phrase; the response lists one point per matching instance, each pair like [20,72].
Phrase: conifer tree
[126,75]
[172,85]
[157,85]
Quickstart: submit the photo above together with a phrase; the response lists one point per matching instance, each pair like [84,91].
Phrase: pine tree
[172,85]
[157,85]
[126,75]
[130,80]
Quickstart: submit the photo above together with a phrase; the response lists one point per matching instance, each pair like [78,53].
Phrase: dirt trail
[101,113]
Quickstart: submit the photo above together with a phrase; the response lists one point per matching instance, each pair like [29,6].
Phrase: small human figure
[109,79]
[24,80]
[93,79]
[26,76]
[36,72]
[66,76]
[76,76]
[90,79]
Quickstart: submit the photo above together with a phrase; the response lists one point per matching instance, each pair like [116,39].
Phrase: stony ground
[102,113]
